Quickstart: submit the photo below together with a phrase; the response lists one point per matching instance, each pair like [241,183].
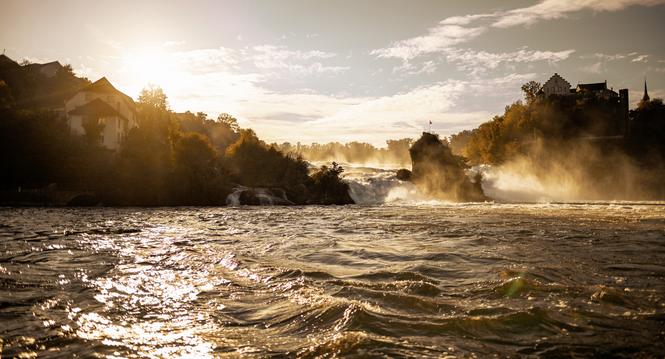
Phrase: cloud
[308,116]
[602,60]
[173,43]
[83,71]
[376,119]
[221,79]
[608,57]
[269,57]
[466,19]
[595,68]
[438,39]
[456,30]
[480,61]
[427,67]
[206,60]
[556,9]
[283,53]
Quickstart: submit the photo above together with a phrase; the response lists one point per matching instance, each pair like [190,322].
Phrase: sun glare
[151,67]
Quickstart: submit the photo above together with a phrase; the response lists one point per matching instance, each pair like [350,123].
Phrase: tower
[645,98]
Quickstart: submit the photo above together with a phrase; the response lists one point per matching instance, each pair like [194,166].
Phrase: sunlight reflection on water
[484,279]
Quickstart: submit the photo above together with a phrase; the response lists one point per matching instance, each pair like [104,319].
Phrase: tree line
[562,120]
[396,152]
[169,159]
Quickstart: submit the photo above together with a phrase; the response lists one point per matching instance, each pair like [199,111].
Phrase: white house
[556,85]
[106,105]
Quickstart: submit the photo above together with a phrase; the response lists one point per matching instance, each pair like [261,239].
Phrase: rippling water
[428,280]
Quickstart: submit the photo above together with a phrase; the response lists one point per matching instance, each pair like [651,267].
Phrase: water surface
[554,280]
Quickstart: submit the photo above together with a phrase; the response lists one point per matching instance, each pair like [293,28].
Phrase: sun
[152,67]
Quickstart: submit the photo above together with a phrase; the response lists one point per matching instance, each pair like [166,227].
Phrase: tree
[327,186]
[398,150]
[196,178]
[530,90]
[67,70]
[154,97]
[194,151]
[230,121]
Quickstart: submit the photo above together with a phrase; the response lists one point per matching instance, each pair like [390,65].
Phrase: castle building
[598,89]
[556,85]
[103,104]
[616,103]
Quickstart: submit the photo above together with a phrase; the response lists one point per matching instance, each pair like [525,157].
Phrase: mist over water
[371,186]
[397,280]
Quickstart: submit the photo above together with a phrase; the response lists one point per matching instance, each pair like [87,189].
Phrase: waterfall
[242,195]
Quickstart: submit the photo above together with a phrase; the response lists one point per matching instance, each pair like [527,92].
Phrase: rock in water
[439,173]
[403,174]
[249,198]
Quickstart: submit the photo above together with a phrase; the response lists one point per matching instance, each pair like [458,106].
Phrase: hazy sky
[319,71]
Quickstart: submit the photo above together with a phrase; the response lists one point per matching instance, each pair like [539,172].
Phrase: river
[429,279]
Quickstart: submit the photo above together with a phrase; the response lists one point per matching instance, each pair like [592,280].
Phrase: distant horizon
[318,72]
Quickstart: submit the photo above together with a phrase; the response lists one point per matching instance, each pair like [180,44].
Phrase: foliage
[32,90]
[646,140]
[327,186]
[34,144]
[396,152]
[153,97]
[220,133]
[169,159]
[554,119]
[530,90]
[197,178]
[229,121]
[581,139]
[251,162]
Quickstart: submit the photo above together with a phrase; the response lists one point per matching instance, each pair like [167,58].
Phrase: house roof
[104,86]
[96,108]
[556,75]
[52,63]
[57,63]
[5,61]
[593,87]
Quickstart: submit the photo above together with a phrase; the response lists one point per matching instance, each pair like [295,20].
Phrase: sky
[345,70]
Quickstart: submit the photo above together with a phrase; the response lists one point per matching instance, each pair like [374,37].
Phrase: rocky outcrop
[439,173]
[403,174]
[328,188]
